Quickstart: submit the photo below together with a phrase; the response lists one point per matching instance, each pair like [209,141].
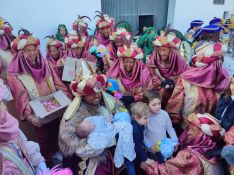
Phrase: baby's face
[89,126]
[85,128]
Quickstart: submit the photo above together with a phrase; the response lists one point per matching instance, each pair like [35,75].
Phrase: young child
[140,115]
[158,126]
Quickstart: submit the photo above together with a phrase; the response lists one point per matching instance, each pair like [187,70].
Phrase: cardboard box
[73,67]
[50,107]
[69,69]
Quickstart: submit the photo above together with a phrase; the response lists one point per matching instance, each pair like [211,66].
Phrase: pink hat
[129,50]
[80,22]
[104,21]
[74,39]
[23,40]
[54,42]
[5,26]
[89,86]
[120,33]
[170,40]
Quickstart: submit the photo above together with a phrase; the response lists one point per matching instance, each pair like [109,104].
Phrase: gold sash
[29,84]
[190,98]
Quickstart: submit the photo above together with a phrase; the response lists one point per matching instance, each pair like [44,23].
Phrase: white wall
[188,10]
[41,17]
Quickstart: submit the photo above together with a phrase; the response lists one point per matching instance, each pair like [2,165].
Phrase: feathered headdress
[80,22]
[54,42]
[25,38]
[5,26]
[75,39]
[167,39]
[129,50]
[104,20]
[120,32]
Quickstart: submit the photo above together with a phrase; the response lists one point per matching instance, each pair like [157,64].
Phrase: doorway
[145,20]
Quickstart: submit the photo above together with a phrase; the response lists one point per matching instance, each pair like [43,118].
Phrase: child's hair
[140,109]
[148,96]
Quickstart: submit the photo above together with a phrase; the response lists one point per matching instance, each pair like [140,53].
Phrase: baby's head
[140,113]
[84,128]
[153,99]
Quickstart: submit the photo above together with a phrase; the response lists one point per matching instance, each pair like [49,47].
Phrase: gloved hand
[168,84]
[100,63]
[41,168]
[127,100]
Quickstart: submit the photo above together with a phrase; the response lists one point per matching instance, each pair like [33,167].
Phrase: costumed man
[104,26]
[195,25]
[76,46]
[131,73]
[199,138]
[207,64]
[30,78]
[83,26]
[107,55]
[5,47]
[166,64]
[61,33]
[197,88]
[185,48]
[78,155]
[17,155]
[54,53]
[116,42]
[216,21]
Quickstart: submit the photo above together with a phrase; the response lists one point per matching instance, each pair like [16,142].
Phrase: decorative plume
[49,36]
[3,19]
[82,17]
[100,15]
[85,27]
[126,41]
[6,22]
[25,31]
